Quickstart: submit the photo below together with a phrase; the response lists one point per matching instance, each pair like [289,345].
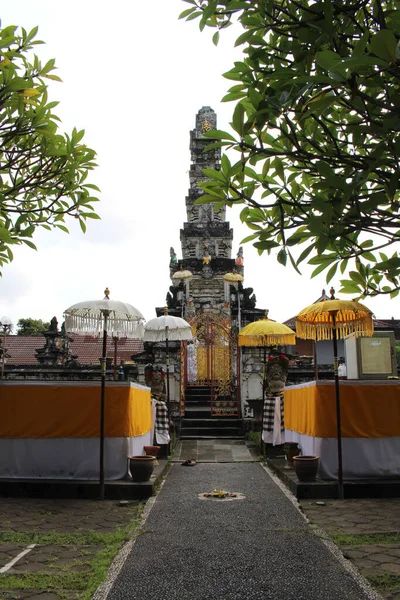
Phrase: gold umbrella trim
[266,332]
[316,321]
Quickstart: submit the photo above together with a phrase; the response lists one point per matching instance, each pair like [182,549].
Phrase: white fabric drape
[67,458]
[363,458]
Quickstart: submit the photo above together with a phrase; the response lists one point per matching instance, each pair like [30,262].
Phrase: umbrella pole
[102,402]
[167,364]
[115,339]
[315,360]
[338,417]
[263,401]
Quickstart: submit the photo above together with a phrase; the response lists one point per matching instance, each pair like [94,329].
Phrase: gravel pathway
[259,548]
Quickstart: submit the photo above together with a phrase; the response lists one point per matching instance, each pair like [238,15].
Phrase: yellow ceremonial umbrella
[330,320]
[266,333]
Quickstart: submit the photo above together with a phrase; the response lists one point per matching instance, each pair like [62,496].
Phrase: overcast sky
[134,78]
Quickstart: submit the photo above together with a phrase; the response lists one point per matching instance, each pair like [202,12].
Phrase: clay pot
[151,450]
[141,467]
[291,449]
[306,468]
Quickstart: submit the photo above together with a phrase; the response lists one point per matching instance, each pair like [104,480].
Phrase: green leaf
[282,256]
[331,273]
[5,235]
[304,254]
[238,119]
[187,12]
[319,269]
[214,174]
[30,244]
[217,134]
[383,44]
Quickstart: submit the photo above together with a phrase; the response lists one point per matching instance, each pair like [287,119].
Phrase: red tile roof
[21,349]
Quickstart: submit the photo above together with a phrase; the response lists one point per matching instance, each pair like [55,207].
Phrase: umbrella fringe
[173,336]
[93,326]
[267,340]
[324,331]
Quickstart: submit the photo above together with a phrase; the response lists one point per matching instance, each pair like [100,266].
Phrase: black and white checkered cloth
[269,412]
[162,420]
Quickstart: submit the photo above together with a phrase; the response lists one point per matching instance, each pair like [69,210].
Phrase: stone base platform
[320,489]
[68,488]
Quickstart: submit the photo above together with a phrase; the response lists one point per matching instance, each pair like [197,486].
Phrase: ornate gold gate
[209,361]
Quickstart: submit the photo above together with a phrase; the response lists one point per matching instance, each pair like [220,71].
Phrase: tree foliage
[316,127]
[42,172]
[30,326]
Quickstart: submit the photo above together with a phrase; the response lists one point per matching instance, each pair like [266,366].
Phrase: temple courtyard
[257,541]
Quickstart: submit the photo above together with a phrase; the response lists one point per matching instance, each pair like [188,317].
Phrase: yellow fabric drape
[367,411]
[73,411]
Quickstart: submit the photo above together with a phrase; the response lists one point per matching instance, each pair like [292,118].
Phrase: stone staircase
[198,423]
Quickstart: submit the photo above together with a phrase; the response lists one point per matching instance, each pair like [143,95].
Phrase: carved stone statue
[207,255]
[173,258]
[239,257]
[53,324]
[277,371]
[172,296]
[155,380]
[249,299]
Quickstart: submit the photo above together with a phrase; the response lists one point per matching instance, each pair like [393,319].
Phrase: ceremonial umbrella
[234,278]
[330,320]
[167,328]
[266,333]
[108,316]
[183,276]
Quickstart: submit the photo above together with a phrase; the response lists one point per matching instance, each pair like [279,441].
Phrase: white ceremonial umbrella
[110,317]
[167,328]
[233,279]
[184,277]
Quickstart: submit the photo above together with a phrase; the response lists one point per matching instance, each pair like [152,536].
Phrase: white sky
[134,78]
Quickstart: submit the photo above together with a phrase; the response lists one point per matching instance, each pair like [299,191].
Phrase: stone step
[198,432]
[216,421]
[211,437]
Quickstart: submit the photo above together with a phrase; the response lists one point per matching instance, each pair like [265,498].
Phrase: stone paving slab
[362,517]
[366,515]
[49,516]
[35,595]
[378,558]
[63,516]
[48,559]
[214,450]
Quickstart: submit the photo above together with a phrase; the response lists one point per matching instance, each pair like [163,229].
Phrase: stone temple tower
[206,237]
[207,372]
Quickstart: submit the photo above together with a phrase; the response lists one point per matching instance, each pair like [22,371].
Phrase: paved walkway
[259,547]
[217,450]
